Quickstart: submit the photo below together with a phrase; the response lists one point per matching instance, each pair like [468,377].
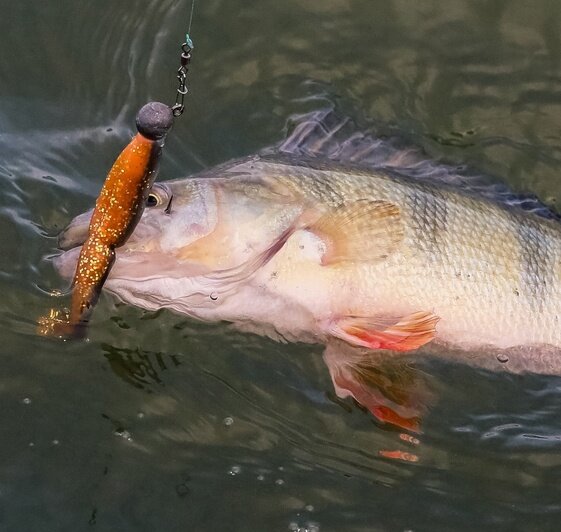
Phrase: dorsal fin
[324,134]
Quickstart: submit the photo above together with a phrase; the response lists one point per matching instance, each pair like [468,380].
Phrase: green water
[161,423]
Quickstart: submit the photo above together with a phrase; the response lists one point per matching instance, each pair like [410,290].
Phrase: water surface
[160,423]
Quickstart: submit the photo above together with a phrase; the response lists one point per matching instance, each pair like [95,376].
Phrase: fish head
[196,237]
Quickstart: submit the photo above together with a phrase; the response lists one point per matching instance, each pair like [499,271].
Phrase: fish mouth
[134,265]
[146,279]
[130,262]
[143,273]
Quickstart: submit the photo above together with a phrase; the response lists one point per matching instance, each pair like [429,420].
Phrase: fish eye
[153,200]
[158,196]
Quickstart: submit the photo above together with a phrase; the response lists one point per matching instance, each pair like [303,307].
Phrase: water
[160,423]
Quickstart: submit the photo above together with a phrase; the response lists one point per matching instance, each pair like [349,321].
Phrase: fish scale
[488,258]
[408,260]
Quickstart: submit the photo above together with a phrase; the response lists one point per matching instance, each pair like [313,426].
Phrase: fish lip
[65,262]
[76,232]
[135,266]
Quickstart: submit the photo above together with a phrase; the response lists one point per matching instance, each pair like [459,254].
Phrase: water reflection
[138,367]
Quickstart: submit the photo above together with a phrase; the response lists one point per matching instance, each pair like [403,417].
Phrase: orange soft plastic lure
[117,211]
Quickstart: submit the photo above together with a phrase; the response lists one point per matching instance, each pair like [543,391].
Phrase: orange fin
[405,334]
[399,455]
[349,382]
[359,231]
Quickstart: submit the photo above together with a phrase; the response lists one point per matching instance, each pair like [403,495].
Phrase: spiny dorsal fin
[362,230]
[325,134]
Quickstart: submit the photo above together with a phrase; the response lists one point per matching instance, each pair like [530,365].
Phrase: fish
[117,211]
[342,238]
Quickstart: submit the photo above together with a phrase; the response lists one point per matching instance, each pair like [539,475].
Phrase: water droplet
[260,477]
[56,442]
[280,468]
[313,527]
[140,415]
[279,482]
[228,421]
[309,508]
[26,401]
[293,526]
[501,357]
[31,444]
[235,470]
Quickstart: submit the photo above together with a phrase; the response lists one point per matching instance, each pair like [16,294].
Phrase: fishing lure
[119,206]
[117,212]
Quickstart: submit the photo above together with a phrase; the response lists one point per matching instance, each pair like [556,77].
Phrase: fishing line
[184,60]
[191,17]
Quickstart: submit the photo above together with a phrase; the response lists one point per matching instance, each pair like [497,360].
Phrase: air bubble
[279,482]
[501,357]
[125,434]
[140,415]
[235,470]
[309,508]
[261,477]
[228,421]
[26,401]
[56,442]
[182,490]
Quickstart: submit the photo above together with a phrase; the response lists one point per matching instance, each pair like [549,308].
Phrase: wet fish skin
[488,272]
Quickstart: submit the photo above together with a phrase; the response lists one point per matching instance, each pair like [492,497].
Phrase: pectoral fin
[405,334]
[359,231]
